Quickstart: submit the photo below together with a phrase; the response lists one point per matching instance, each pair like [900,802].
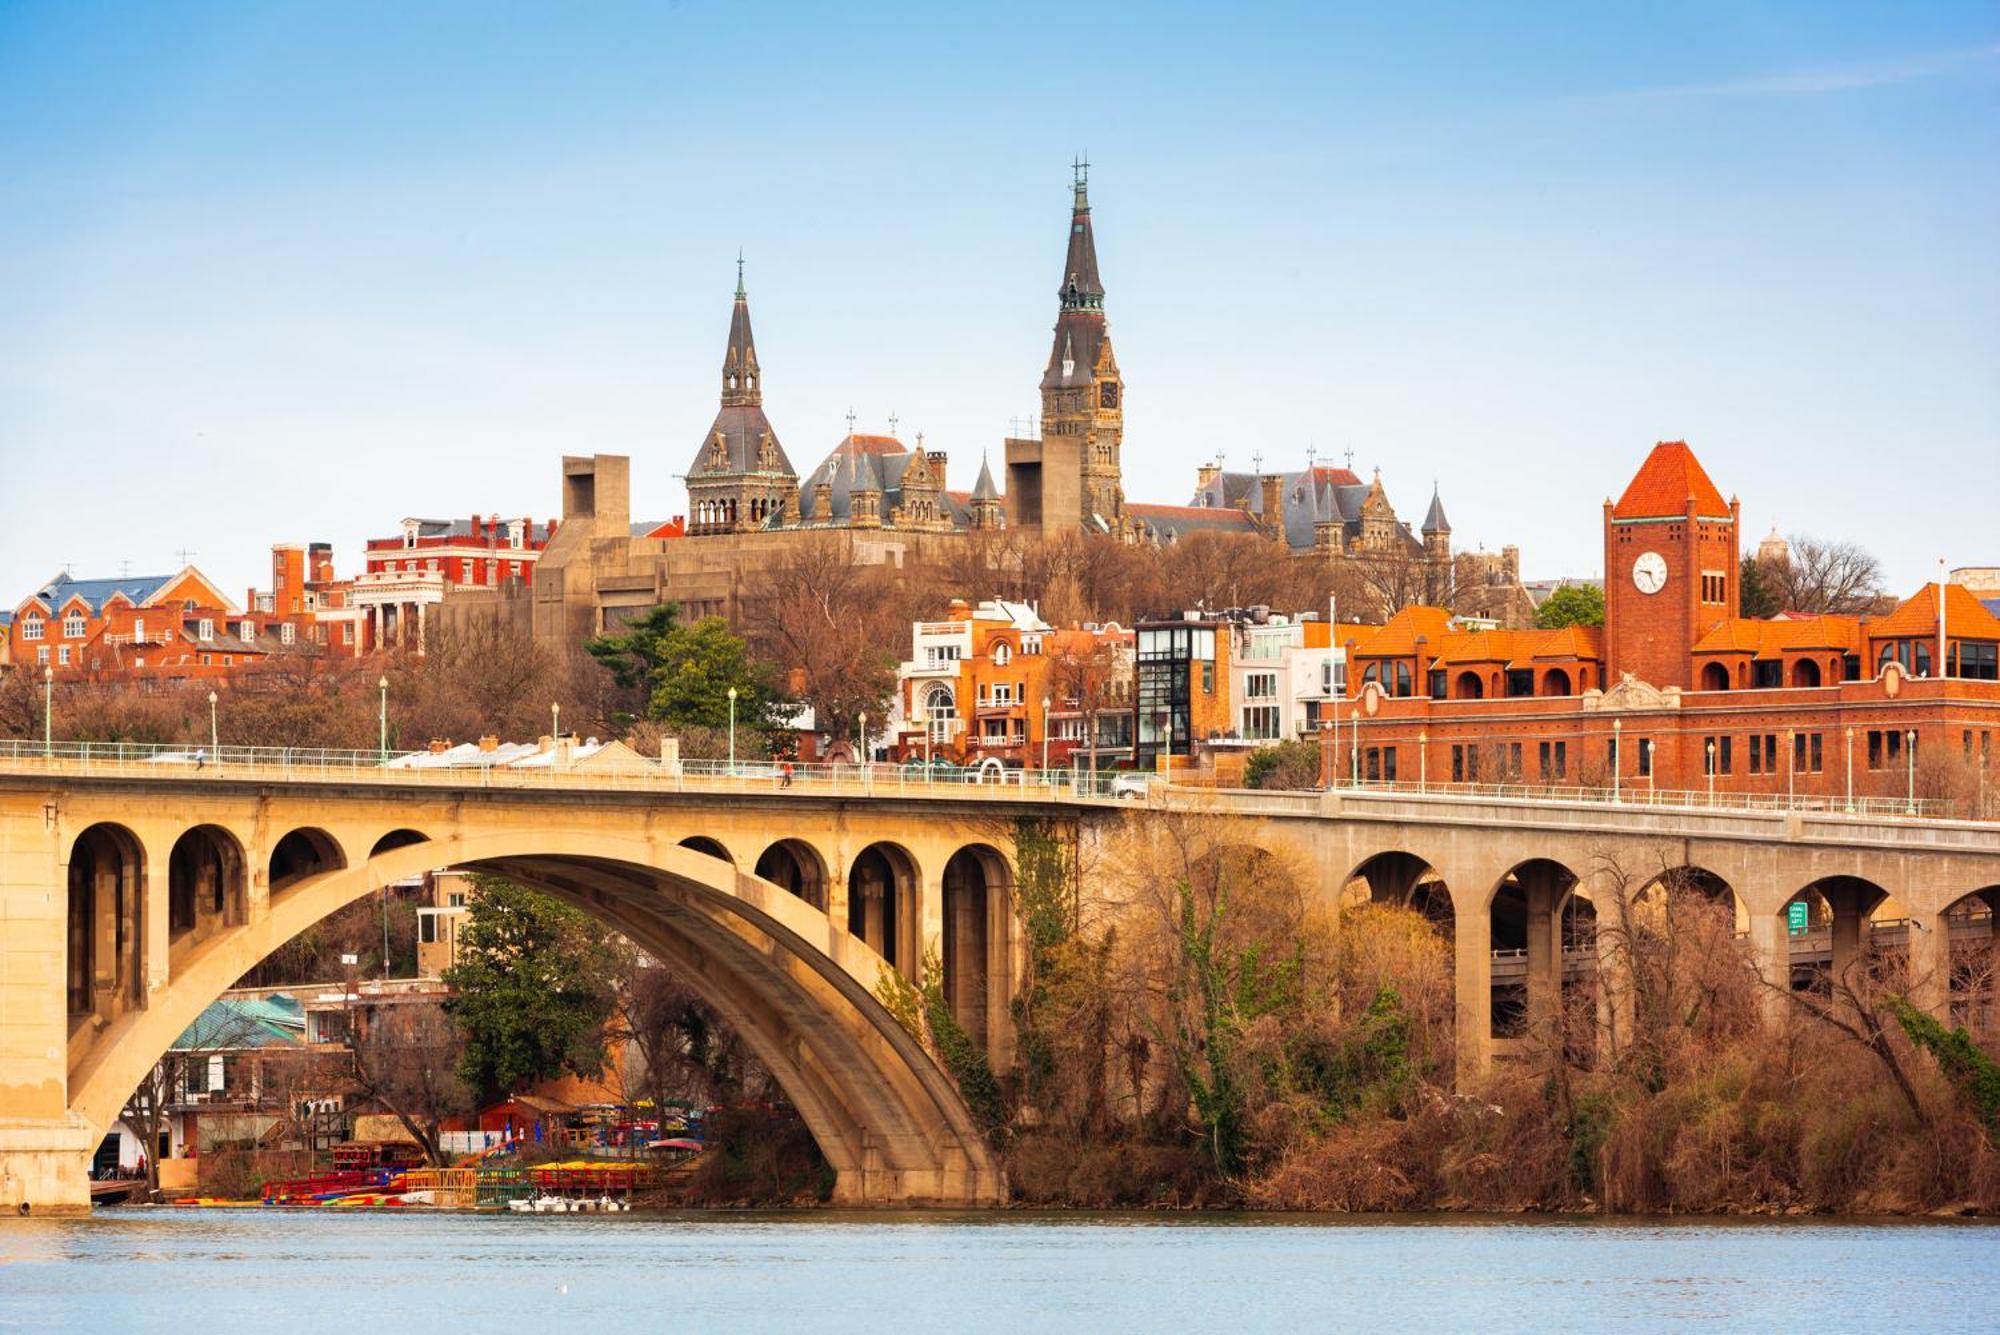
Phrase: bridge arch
[714,848]
[882,888]
[1536,927]
[391,840]
[104,945]
[800,991]
[978,946]
[1401,878]
[207,888]
[796,867]
[1835,940]
[1971,924]
[306,851]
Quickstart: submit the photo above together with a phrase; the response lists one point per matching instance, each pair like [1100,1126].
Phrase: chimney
[1206,474]
[489,743]
[439,746]
[938,462]
[1273,515]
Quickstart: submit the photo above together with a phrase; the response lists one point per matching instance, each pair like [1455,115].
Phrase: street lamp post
[1711,773]
[48,712]
[1045,739]
[861,747]
[1652,779]
[732,729]
[1791,768]
[214,745]
[1910,755]
[1617,756]
[1850,771]
[382,718]
[1423,759]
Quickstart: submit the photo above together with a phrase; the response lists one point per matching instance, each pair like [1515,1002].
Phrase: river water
[138,1270]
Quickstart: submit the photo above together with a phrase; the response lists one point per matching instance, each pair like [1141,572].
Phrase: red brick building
[405,576]
[1676,692]
[179,625]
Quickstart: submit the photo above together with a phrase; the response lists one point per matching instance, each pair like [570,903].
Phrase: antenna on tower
[850,421]
[893,419]
[187,555]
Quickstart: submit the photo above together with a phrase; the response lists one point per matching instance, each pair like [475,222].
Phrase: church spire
[739,361]
[1081,288]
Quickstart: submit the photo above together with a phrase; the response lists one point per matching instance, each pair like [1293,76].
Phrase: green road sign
[1795,917]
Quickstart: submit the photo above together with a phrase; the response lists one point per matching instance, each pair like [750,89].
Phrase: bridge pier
[44,1167]
[1473,980]
[1542,889]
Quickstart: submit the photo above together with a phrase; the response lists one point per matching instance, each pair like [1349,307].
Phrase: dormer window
[517,533]
[1001,654]
[204,630]
[73,627]
[410,533]
[248,631]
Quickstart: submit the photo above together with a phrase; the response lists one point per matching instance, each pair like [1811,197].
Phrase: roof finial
[893,419]
[739,273]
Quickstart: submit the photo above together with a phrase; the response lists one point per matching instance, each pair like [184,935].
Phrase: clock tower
[1670,552]
[1073,476]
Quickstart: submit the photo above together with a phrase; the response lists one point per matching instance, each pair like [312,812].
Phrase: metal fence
[566,770]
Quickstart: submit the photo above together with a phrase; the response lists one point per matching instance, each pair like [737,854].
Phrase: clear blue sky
[275,272]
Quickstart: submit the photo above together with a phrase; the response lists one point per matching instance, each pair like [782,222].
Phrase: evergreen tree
[532,989]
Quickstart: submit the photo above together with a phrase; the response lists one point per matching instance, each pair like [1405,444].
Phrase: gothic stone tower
[1669,567]
[740,479]
[1072,476]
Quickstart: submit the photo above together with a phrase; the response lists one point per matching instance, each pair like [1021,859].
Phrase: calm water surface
[257,1270]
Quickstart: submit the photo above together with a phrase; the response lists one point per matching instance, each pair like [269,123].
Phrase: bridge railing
[557,770]
[1895,818]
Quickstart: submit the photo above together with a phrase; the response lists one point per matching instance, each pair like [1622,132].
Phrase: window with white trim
[73,626]
[204,629]
[287,633]
[62,655]
[31,628]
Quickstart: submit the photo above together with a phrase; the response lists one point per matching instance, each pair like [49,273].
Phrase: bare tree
[832,627]
[218,1031]
[1824,576]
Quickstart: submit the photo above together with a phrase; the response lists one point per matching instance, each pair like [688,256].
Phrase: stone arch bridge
[133,893]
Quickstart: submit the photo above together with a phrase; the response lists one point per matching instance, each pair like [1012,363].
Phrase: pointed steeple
[1435,522]
[740,387]
[983,489]
[1081,288]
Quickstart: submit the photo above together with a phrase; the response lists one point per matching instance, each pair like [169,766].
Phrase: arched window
[1403,685]
[1714,677]
[1468,686]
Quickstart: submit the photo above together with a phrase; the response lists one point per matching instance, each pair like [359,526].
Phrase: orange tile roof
[1663,484]
[1773,639]
[1964,615]
[1398,636]
[1521,648]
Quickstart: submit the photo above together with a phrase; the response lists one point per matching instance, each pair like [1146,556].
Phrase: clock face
[1649,572]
